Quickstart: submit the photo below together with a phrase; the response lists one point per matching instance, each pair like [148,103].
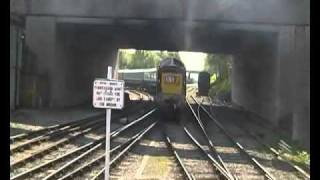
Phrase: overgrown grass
[297,157]
[213,78]
[295,153]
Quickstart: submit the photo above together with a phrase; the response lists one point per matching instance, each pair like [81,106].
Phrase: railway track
[16,173]
[219,164]
[47,130]
[141,94]
[276,155]
[303,170]
[182,166]
[133,141]
[199,163]
[254,138]
[54,134]
[84,149]
[37,148]
[86,161]
[98,158]
[36,152]
[235,143]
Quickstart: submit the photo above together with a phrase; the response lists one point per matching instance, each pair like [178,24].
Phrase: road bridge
[70,42]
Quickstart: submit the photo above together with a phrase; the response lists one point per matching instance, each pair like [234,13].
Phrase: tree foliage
[143,59]
[219,66]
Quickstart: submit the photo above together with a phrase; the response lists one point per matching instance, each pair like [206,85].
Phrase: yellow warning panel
[171,83]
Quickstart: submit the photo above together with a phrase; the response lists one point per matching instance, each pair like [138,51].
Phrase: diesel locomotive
[171,87]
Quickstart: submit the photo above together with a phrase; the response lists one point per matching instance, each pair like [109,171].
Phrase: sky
[194,61]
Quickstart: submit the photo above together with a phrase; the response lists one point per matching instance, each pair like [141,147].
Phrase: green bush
[220,87]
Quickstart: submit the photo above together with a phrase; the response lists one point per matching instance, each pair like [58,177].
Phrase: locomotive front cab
[171,79]
[171,86]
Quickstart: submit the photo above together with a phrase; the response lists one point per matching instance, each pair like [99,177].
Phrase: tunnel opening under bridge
[73,52]
[84,51]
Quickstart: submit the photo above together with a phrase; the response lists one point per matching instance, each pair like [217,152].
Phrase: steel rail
[149,96]
[186,174]
[99,158]
[56,126]
[72,162]
[133,92]
[210,142]
[267,126]
[136,93]
[50,135]
[53,146]
[286,147]
[39,167]
[100,173]
[237,144]
[55,173]
[134,122]
[217,166]
[114,134]
[126,149]
[300,169]
[273,151]
[133,142]
[78,121]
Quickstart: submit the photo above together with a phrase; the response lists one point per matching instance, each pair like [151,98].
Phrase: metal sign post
[108,119]
[108,94]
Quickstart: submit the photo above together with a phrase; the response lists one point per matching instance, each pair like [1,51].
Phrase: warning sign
[108,94]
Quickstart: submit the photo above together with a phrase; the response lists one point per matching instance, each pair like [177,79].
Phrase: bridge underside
[270,74]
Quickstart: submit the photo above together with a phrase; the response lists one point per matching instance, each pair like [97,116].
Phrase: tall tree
[218,64]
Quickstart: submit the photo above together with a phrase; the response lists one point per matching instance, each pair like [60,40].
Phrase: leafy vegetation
[297,157]
[219,66]
[219,87]
[142,59]
[294,152]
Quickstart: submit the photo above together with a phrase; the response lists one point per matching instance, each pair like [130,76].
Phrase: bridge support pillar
[294,83]
[40,66]
[63,60]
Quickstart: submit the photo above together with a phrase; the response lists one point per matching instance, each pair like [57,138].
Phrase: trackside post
[108,119]
[109,94]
